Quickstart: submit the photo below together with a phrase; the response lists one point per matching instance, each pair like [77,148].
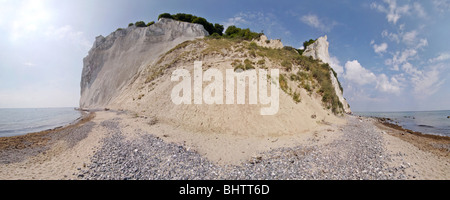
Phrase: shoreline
[436,144]
[392,119]
[385,122]
[84,113]
[53,154]
[41,138]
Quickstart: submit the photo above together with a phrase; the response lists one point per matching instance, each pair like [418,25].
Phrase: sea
[427,122]
[20,121]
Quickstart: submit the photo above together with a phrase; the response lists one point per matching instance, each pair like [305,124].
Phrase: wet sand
[49,154]
[422,156]
[439,145]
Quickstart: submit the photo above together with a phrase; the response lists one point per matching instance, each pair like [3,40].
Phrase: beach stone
[358,154]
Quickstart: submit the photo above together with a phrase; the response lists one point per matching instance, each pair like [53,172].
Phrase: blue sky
[390,55]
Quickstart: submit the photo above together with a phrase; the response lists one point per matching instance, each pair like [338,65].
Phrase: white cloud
[400,58]
[380,48]
[28,18]
[33,20]
[419,10]
[312,20]
[315,22]
[356,73]
[386,85]
[393,11]
[391,36]
[442,57]
[236,20]
[410,37]
[267,22]
[427,83]
[410,69]
[337,67]
[424,83]
[68,33]
[422,43]
[442,5]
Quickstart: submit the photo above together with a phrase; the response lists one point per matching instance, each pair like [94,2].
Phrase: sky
[390,55]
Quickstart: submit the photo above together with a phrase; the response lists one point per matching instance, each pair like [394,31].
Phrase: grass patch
[154,74]
[321,73]
[253,46]
[261,62]
[248,64]
[306,86]
[218,45]
[237,64]
[286,65]
[180,46]
[283,84]
[296,97]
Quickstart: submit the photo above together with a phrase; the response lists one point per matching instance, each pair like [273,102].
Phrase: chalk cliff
[265,42]
[319,51]
[132,68]
[114,61]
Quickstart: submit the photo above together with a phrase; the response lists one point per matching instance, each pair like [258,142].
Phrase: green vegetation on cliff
[311,75]
[215,31]
[305,45]
[234,32]
[211,28]
[297,71]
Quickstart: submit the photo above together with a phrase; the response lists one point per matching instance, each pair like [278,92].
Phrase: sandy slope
[153,99]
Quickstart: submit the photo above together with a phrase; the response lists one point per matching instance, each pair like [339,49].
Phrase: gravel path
[357,154]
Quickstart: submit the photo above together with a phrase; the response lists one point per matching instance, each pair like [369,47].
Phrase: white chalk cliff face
[115,61]
[265,42]
[319,51]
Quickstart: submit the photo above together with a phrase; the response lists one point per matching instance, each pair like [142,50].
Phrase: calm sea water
[20,121]
[428,122]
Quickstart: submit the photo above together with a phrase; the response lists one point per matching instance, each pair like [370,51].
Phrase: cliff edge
[319,51]
[115,60]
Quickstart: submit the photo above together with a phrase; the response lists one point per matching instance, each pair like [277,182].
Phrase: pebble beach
[102,149]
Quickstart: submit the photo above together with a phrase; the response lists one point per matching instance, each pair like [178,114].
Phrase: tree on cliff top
[305,45]
[213,29]
[246,34]
[140,24]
